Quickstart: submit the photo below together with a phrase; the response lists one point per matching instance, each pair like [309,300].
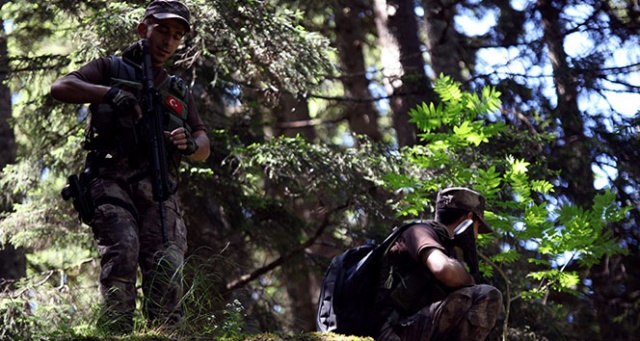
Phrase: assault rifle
[153,131]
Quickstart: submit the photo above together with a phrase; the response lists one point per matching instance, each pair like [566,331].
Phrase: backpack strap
[122,70]
[382,308]
[391,238]
[388,243]
[406,288]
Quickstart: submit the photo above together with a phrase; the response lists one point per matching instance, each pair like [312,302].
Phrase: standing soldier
[131,224]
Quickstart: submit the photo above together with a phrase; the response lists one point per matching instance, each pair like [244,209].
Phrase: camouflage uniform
[466,314]
[128,231]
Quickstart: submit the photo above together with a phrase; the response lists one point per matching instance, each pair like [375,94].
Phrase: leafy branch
[454,131]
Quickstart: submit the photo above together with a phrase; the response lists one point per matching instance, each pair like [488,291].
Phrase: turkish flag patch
[174,104]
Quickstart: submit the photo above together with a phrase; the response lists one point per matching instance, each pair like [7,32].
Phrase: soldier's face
[164,37]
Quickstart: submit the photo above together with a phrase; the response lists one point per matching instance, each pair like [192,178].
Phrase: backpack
[349,288]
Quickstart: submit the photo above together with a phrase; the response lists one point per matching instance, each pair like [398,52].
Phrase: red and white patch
[174,104]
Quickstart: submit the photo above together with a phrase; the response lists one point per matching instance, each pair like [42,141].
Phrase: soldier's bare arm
[203,146]
[71,89]
[447,270]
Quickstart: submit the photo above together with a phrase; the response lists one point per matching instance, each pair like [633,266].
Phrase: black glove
[464,239]
[124,104]
[192,146]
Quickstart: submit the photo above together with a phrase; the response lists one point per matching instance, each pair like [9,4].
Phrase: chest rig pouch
[117,133]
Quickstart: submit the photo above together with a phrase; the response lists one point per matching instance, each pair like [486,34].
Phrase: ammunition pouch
[174,122]
[110,131]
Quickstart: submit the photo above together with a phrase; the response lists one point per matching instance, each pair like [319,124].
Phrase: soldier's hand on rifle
[125,104]
[183,140]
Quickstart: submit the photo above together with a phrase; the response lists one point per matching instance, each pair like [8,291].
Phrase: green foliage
[53,304]
[232,322]
[16,323]
[35,220]
[459,110]
[560,280]
[260,44]
[518,207]
[207,314]
[507,257]
[449,131]
[249,43]
[335,178]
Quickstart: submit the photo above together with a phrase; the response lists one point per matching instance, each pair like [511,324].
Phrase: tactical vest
[116,133]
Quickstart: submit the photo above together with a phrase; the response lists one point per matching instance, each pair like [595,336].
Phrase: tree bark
[292,117]
[13,262]
[362,115]
[574,153]
[574,157]
[291,114]
[403,65]
[442,39]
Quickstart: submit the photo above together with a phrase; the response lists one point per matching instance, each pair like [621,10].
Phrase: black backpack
[349,288]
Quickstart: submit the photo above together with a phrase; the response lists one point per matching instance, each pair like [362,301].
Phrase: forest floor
[259,337]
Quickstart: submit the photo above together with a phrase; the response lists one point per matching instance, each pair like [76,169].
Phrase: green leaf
[541,186]
[507,257]
[520,166]
[477,139]
[568,279]
[463,129]
[538,261]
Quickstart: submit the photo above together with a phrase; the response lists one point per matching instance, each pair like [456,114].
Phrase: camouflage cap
[461,198]
[169,9]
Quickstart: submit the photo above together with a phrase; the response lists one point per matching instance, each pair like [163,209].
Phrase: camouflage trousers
[466,314]
[128,230]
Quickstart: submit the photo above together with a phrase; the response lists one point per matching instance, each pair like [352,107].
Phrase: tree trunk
[403,66]
[13,262]
[7,137]
[574,153]
[575,159]
[292,119]
[442,39]
[361,113]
